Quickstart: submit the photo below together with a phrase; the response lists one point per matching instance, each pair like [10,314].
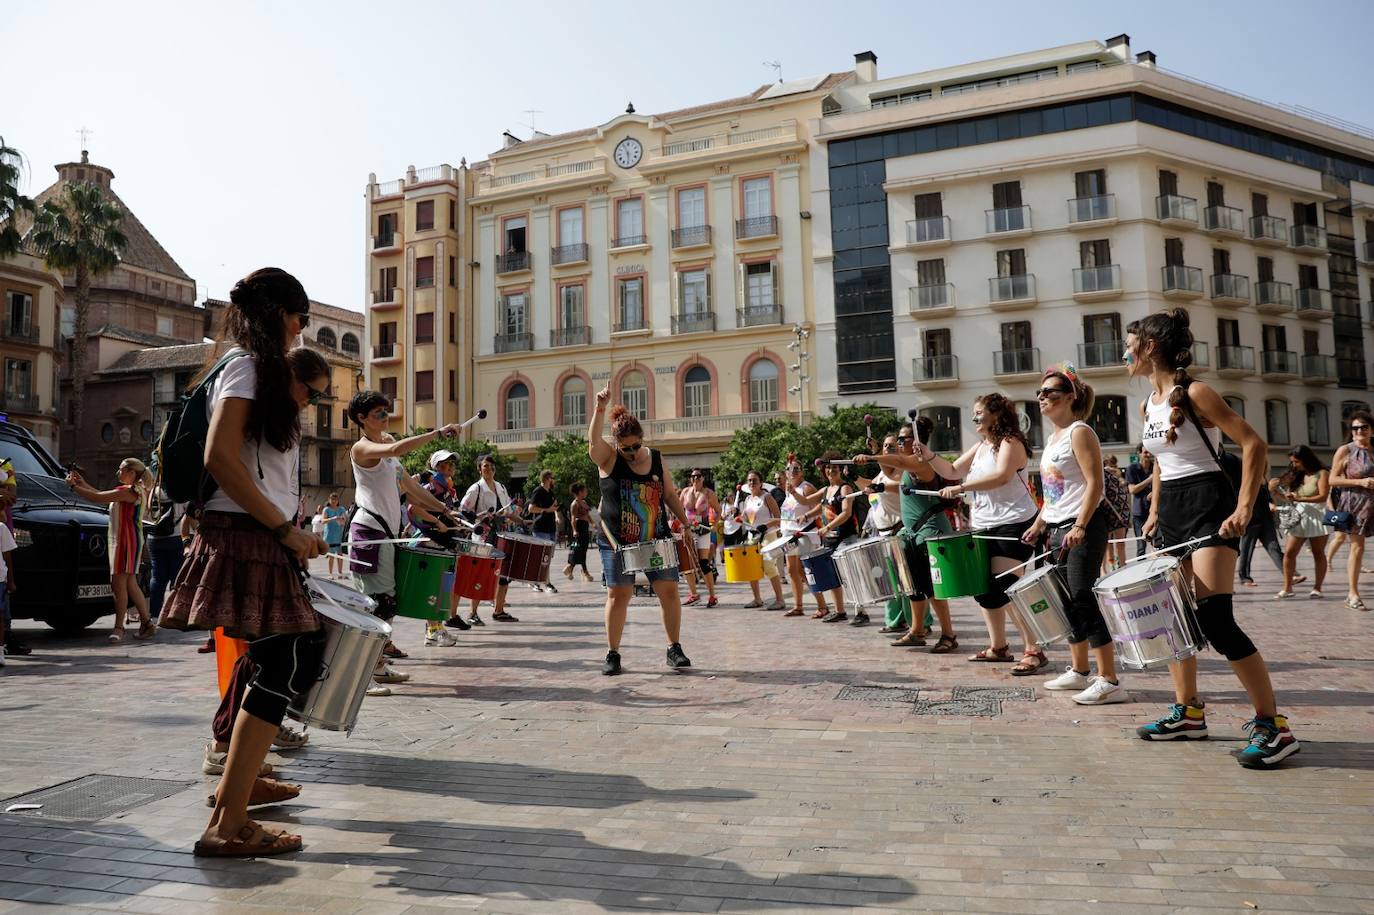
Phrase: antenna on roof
[85,134]
[777,68]
[531,112]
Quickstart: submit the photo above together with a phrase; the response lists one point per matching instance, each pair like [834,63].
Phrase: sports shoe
[860,619]
[288,738]
[834,616]
[691,599]
[379,690]
[1102,692]
[475,620]
[457,622]
[388,674]
[214,762]
[1183,721]
[711,602]
[548,586]
[611,666]
[536,589]
[676,658]
[1069,679]
[440,638]
[16,650]
[1270,743]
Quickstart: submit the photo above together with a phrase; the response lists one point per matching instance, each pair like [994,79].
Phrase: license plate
[87,592]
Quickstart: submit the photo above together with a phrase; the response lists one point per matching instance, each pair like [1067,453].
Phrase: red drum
[686,552]
[527,558]
[475,577]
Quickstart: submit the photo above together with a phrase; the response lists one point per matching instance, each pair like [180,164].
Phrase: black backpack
[179,458]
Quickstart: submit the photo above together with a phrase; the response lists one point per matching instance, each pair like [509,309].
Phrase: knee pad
[993,600]
[708,568]
[386,607]
[1218,622]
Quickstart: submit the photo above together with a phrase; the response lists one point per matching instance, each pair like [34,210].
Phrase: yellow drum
[743,563]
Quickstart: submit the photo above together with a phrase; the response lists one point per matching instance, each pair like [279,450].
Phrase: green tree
[566,455]
[12,203]
[465,460]
[764,447]
[80,232]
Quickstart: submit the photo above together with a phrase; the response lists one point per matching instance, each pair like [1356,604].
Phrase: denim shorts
[616,578]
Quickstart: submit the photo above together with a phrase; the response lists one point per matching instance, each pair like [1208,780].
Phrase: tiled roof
[336,314]
[160,358]
[114,331]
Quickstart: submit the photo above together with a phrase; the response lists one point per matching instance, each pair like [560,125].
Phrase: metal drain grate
[877,694]
[1002,693]
[94,797]
[968,708]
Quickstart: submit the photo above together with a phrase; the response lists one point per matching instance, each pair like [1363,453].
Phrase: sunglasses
[1360,428]
[696,476]
[316,396]
[304,316]
[1051,393]
[903,439]
[632,449]
[890,447]
[754,482]
[378,414]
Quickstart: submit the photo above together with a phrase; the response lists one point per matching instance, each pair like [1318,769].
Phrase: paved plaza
[797,766]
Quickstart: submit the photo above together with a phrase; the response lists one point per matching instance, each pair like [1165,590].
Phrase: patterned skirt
[239,577]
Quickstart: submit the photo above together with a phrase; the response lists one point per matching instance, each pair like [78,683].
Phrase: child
[7,546]
[127,502]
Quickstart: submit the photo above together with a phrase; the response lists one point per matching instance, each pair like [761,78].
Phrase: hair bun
[618,411]
[246,293]
[1179,315]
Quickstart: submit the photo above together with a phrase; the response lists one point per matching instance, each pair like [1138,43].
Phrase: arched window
[634,394]
[574,402]
[325,337]
[763,386]
[1276,421]
[1318,425]
[349,344]
[696,392]
[1108,420]
[1237,405]
[517,406]
[946,436]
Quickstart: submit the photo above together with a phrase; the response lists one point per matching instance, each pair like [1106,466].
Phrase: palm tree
[79,232]
[12,203]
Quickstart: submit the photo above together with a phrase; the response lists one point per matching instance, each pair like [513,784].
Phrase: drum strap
[386,528]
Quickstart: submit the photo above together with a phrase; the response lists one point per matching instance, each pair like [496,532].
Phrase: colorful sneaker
[1270,743]
[440,638]
[1069,679]
[691,599]
[1102,692]
[1183,721]
[711,602]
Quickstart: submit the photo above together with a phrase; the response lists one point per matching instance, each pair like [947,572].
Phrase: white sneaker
[440,638]
[2,655]
[388,674]
[1102,692]
[1069,679]
[215,760]
[536,589]
[288,738]
[379,691]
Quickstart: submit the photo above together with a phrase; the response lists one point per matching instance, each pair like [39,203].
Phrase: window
[1090,184]
[571,311]
[511,320]
[18,377]
[1221,261]
[386,225]
[574,398]
[1006,195]
[424,272]
[937,342]
[1318,425]
[325,337]
[763,386]
[386,284]
[513,235]
[1259,204]
[1103,329]
[107,433]
[1274,337]
[570,226]
[453,214]
[758,198]
[1173,252]
[452,331]
[452,272]
[1011,262]
[946,436]
[1228,332]
[691,208]
[1237,405]
[1032,423]
[629,222]
[1264,266]
[424,215]
[517,406]
[424,327]
[349,344]
[760,285]
[387,387]
[386,333]
[1168,183]
[696,392]
[68,321]
[1308,277]
[1108,419]
[630,304]
[694,292]
[146,430]
[424,385]
[164,326]
[931,272]
[324,418]
[1216,194]
[452,385]
[929,206]
[1095,253]
[326,466]
[1310,343]
[634,394]
[1276,421]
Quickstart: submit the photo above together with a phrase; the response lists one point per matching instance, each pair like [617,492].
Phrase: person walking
[1301,495]
[1261,530]
[543,506]
[1139,481]
[124,544]
[335,519]
[581,514]
[1352,470]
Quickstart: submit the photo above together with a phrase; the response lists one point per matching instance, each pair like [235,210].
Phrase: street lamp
[799,367]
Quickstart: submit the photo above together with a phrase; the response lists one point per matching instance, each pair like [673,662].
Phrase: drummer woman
[489,504]
[635,490]
[884,493]
[838,527]
[761,513]
[797,519]
[1076,520]
[993,470]
[1193,498]
[244,566]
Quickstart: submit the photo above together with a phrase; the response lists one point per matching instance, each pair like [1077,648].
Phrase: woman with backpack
[127,502]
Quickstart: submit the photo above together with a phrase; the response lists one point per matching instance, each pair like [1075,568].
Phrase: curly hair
[1169,331]
[1005,424]
[624,423]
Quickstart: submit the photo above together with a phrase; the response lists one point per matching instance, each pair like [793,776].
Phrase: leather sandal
[252,841]
[945,645]
[1030,662]
[1002,654]
[795,611]
[909,640]
[266,791]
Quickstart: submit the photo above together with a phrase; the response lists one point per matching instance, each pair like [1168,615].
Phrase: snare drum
[323,589]
[647,556]
[822,574]
[353,642]
[1151,613]
[477,577]
[420,591]
[1040,600]
[959,565]
[527,558]
[900,552]
[743,563]
[863,568]
[476,548]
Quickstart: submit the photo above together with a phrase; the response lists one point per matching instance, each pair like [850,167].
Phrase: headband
[1069,371]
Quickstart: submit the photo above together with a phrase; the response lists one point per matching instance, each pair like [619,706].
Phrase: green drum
[959,565]
[421,573]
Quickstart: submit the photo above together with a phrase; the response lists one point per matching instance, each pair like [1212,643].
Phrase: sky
[242,134]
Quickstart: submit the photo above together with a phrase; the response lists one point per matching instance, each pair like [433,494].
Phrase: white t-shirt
[273,471]
[317,525]
[1188,456]
[482,498]
[1010,503]
[6,544]
[1064,482]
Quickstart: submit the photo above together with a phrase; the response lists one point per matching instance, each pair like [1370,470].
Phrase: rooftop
[160,358]
[129,335]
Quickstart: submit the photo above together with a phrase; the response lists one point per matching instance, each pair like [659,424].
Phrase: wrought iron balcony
[514,343]
[935,369]
[1016,361]
[19,402]
[1235,360]
[629,241]
[1012,289]
[694,322]
[1319,369]
[568,254]
[1224,220]
[1279,364]
[1310,238]
[1268,230]
[570,336]
[17,332]
[1092,209]
[932,230]
[1097,282]
[691,236]
[758,315]
[386,241]
[1005,220]
[756,227]
[1182,282]
[1176,210]
[1101,354]
[513,262]
[1314,303]
[1230,287]
[388,298]
[932,298]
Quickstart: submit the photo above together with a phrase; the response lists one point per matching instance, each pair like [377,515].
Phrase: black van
[62,564]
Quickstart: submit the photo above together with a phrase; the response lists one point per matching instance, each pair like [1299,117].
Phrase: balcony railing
[1273,296]
[385,240]
[1101,354]
[1231,286]
[1008,219]
[1202,357]
[1092,209]
[383,350]
[694,322]
[1314,302]
[1011,288]
[1269,229]
[756,227]
[936,295]
[928,230]
[587,168]
[1016,361]
[1223,219]
[787,130]
[1182,280]
[570,336]
[626,323]
[691,236]
[1235,358]
[758,315]
[19,333]
[513,262]
[629,241]
[935,368]
[1319,368]
[1089,280]
[569,254]
[1279,362]
[392,296]
[19,402]
[1310,237]
[1174,208]
[514,343]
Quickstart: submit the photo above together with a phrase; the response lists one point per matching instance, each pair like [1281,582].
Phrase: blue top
[334,524]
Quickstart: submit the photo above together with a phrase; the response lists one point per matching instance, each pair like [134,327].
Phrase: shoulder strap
[1207,442]
[386,528]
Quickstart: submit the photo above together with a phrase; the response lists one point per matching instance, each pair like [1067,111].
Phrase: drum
[779,548]
[863,569]
[822,574]
[958,565]
[527,558]
[1040,600]
[743,563]
[686,551]
[900,553]
[476,548]
[324,589]
[477,577]
[353,642]
[420,591]
[647,556]
[1150,612]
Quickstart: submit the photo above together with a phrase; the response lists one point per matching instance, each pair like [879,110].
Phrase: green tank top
[915,507]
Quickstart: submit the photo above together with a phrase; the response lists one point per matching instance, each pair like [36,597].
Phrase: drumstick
[983,537]
[414,539]
[921,492]
[480,414]
[1024,564]
[820,463]
[1167,549]
[1125,539]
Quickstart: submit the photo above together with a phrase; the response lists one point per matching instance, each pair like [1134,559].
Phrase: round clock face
[628,152]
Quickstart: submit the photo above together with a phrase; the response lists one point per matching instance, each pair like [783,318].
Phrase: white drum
[648,556]
[353,643]
[322,590]
[1040,601]
[863,570]
[1151,613]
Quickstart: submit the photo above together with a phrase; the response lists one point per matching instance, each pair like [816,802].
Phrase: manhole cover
[94,797]
[1002,693]
[877,694]
[976,708]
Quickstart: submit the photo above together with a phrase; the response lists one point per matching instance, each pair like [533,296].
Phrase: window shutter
[773,278]
[709,305]
[742,287]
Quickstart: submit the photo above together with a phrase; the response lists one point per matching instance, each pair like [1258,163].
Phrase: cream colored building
[32,296]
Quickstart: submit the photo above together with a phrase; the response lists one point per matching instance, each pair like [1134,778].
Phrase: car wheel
[73,623]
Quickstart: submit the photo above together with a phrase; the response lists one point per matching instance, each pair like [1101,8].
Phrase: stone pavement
[509,776]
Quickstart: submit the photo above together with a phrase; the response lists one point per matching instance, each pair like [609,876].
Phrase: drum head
[866,542]
[777,546]
[525,538]
[1137,572]
[351,618]
[340,594]
[422,549]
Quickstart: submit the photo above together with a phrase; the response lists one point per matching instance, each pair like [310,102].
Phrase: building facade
[32,298]
[977,224]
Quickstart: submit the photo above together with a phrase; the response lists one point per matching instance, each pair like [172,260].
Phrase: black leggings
[1082,567]
[287,665]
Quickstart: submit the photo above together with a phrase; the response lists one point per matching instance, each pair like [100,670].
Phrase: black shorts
[1195,507]
[1018,551]
[918,560]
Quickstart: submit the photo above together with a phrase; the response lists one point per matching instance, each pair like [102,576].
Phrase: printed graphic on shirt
[641,505]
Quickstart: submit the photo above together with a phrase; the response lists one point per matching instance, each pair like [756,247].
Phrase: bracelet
[1079,527]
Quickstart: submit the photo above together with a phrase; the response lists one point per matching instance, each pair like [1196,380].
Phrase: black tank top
[632,503]
[833,509]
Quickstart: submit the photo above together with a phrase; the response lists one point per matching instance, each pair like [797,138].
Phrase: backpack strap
[1207,442]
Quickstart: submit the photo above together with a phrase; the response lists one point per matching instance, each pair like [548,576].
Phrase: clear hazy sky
[242,132]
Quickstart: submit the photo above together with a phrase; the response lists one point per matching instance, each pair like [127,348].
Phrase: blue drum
[821,572]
